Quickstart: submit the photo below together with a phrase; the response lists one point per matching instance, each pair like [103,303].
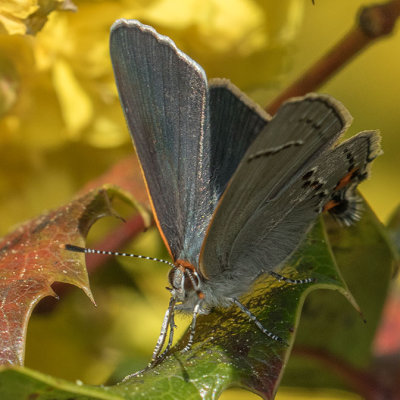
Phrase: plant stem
[373,22]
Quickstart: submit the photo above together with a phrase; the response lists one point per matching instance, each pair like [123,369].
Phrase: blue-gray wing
[287,177]
[164,95]
[235,122]
[167,104]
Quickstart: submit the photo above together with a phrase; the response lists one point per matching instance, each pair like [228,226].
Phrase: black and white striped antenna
[78,249]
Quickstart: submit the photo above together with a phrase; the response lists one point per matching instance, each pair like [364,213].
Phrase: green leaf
[24,384]
[229,350]
[333,342]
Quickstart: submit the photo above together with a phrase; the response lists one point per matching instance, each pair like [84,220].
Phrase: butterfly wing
[357,153]
[164,97]
[286,177]
[167,103]
[235,122]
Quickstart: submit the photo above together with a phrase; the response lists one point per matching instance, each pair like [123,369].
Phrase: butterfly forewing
[167,104]
[164,97]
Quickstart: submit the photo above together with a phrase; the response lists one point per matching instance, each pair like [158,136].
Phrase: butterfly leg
[196,312]
[289,280]
[164,328]
[172,327]
[257,322]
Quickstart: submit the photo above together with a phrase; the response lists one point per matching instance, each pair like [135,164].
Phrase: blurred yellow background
[61,124]
[60,120]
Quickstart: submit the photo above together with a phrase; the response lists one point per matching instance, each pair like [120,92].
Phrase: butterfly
[234,191]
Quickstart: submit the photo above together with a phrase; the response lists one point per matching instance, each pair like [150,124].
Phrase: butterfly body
[189,287]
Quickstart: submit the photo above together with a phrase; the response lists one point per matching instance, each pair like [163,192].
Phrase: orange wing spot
[185,264]
[330,204]
[200,295]
[346,179]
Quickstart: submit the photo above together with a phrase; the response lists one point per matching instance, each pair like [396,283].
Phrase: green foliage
[229,350]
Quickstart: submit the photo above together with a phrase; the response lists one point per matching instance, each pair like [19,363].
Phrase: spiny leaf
[330,333]
[19,383]
[32,257]
[229,350]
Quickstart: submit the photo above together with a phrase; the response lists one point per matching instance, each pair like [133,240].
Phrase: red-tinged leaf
[228,349]
[387,337]
[32,257]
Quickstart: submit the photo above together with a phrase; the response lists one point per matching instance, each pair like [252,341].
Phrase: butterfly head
[185,281]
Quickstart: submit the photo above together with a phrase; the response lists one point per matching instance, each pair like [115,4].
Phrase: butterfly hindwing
[262,217]
[357,154]
[235,123]
[290,217]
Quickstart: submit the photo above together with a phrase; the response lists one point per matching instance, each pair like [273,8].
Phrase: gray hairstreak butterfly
[233,190]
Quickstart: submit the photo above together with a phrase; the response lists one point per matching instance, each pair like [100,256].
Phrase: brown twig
[373,22]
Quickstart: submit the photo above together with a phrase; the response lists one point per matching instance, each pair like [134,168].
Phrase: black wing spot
[316,126]
[307,175]
[363,176]
[322,194]
[341,207]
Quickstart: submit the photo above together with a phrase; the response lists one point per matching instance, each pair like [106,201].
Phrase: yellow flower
[59,85]
[28,16]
